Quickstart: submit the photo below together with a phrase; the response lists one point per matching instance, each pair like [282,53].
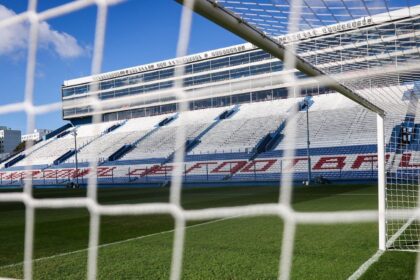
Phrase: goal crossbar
[228,20]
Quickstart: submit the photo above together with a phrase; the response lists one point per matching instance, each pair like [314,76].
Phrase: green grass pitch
[140,247]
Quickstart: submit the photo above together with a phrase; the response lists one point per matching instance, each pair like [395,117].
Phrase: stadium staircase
[92,141]
[14,161]
[64,157]
[273,138]
[126,148]
[58,133]
[190,144]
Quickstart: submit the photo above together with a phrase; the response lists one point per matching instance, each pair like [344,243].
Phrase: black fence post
[43,176]
[56,178]
[129,174]
[165,171]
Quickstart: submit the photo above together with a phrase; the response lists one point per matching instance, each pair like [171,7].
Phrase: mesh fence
[282,209]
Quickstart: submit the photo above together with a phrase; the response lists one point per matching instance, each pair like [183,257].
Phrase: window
[238,73]
[68,91]
[260,69]
[167,73]
[202,79]
[136,79]
[198,67]
[220,76]
[106,95]
[107,84]
[259,55]
[241,98]
[239,59]
[151,76]
[219,63]
[262,95]
[121,82]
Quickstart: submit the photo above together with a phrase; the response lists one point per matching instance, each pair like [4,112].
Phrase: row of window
[377,49]
[264,95]
[168,73]
[197,80]
[253,56]
[264,68]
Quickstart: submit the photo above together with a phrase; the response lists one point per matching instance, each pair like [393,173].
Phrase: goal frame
[211,10]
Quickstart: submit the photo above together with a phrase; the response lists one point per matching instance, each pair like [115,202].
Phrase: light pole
[308,142]
[74,132]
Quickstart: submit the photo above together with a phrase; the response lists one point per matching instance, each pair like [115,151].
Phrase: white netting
[402,175]
[282,209]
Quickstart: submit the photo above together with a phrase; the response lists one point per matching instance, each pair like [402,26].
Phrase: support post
[381,182]
[75,155]
[308,143]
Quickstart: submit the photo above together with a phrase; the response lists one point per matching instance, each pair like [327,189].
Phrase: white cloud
[14,38]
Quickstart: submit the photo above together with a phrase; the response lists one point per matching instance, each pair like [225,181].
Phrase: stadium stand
[129,132]
[46,154]
[225,145]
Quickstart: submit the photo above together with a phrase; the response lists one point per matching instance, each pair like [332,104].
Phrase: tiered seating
[128,133]
[331,101]
[58,146]
[363,129]
[244,129]
[339,128]
[161,143]
[334,120]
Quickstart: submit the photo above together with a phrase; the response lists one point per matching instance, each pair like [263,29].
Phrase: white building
[9,139]
[246,74]
[38,134]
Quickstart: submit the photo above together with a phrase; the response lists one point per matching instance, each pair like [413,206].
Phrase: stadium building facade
[243,73]
[240,110]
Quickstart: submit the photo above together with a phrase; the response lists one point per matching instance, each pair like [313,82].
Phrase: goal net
[402,179]
[384,81]
[380,75]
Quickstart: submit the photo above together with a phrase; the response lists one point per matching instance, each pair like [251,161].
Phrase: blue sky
[138,32]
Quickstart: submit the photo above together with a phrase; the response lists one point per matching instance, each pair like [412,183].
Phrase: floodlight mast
[228,20]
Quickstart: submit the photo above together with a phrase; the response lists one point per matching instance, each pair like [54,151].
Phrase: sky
[138,32]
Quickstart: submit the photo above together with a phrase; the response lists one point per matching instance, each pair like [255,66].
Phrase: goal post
[381,182]
[366,89]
